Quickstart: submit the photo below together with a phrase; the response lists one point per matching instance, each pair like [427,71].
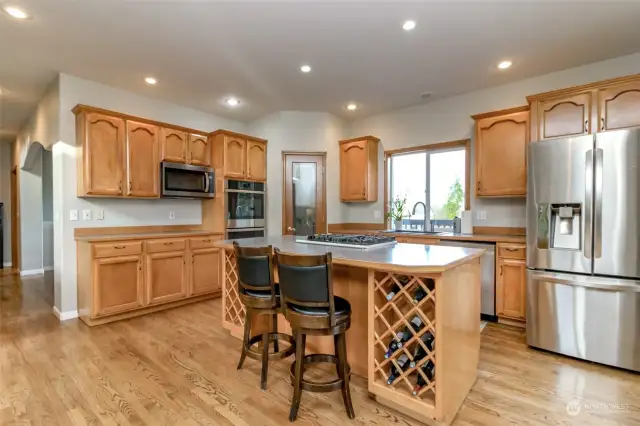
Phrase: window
[434,181]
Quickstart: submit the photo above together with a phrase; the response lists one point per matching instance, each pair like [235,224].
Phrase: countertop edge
[144,236]
[488,238]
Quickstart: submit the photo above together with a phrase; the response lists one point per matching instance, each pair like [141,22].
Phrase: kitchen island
[388,287]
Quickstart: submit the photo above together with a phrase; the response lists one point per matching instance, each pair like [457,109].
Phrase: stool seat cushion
[343,308]
[264,294]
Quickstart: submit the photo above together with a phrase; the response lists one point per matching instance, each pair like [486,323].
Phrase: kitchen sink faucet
[427,223]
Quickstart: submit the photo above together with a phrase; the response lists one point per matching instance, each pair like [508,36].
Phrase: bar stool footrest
[256,353]
[311,386]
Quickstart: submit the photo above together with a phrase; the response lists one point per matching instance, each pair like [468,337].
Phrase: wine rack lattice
[234,310]
[395,316]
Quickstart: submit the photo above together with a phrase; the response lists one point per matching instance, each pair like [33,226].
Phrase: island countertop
[400,258]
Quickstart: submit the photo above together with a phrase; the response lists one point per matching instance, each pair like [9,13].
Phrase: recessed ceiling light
[352,107]
[504,65]
[232,102]
[16,12]
[305,68]
[150,80]
[408,25]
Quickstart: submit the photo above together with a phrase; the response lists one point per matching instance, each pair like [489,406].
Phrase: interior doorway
[304,209]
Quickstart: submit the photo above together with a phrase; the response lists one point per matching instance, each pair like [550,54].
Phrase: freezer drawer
[593,318]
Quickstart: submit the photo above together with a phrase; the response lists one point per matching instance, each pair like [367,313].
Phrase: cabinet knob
[290,229]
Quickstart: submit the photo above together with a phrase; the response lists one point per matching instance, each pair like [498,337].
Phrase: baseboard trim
[48,268]
[32,272]
[64,316]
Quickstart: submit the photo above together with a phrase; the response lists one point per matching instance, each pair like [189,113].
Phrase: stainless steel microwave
[187,181]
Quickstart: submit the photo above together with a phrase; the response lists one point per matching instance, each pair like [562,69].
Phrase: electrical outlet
[100,214]
[73,214]
[86,214]
[172,215]
[481,215]
[377,214]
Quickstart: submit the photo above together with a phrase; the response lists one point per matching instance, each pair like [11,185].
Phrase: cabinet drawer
[158,246]
[203,242]
[417,240]
[511,251]
[117,248]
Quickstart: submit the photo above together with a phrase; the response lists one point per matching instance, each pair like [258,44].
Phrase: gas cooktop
[347,240]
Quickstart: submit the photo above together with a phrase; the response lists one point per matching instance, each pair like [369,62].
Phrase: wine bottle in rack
[406,334]
[403,363]
[419,295]
[393,346]
[394,290]
[429,369]
[419,352]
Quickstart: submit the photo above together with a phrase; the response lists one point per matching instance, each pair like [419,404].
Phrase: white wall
[300,131]
[6,156]
[449,119]
[47,209]
[117,212]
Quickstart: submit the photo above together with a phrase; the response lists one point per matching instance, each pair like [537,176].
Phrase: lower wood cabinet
[166,277]
[117,284]
[511,282]
[121,279]
[205,271]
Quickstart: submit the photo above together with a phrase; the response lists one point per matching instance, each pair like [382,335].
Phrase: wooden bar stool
[261,296]
[311,308]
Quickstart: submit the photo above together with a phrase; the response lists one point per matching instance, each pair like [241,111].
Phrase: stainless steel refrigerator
[583,247]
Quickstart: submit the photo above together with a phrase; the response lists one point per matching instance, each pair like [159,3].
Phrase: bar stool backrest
[254,266]
[306,281]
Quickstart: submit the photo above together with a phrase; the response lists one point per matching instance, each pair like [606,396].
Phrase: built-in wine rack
[233,308]
[394,308]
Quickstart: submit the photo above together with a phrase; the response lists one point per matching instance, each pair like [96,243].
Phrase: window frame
[429,149]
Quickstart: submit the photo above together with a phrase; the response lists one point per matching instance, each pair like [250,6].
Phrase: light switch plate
[86,214]
[73,214]
[172,215]
[100,214]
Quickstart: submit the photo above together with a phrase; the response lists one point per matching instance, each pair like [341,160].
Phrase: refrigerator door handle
[597,208]
[608,284]
[588,202]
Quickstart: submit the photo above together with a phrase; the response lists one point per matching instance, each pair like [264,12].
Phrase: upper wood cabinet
[240,156]
[199,150]
[595,107]
[500,153]
[142,160]
[117,284]
[256,160]
[102,145]
[359,169]
[173,145]
[619,106]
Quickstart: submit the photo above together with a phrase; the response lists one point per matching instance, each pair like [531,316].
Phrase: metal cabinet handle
[129,186]
[586,126]
[511,249]
[602,121]
[501,266]
[206,241]
[118,247]
[120,186]
[140,266]
[167,244]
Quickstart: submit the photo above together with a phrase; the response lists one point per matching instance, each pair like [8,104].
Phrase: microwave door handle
[206,182]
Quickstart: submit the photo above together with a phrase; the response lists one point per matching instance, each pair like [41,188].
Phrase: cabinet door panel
[166,278]
[568,116]
[104,155]
[199,150]
[619,106]
[205,271]
[500,155]
[173,145]
[256,160]
[511,288]
[142,160]
[353,171]
[117,284]
[234,157]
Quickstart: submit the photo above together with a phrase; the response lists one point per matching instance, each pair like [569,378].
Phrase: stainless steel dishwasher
[488,274]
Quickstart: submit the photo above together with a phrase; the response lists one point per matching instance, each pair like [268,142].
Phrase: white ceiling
[203,51]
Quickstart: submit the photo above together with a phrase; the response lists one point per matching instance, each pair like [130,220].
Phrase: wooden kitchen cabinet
[256,160]
[205,274]
[359,169]
[166,277]
[173,145]
[117,284]
[565,116]
[142,160]
[500,154]
[102,145]
[619,106]
[511,282]
[199,150]
[235,160]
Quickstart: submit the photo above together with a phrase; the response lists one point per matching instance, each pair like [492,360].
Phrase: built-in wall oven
[246,205]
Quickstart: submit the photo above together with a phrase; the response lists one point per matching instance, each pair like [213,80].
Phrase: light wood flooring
[179,368]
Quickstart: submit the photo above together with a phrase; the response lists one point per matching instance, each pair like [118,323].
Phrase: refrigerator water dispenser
[565,226]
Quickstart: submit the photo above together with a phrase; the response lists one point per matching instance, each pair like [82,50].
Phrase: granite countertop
[401,258]
[489,238]
[145,236]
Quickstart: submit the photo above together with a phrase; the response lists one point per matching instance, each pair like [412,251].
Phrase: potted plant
[396,211]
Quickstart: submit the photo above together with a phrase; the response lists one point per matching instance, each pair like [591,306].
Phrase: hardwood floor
[179,368]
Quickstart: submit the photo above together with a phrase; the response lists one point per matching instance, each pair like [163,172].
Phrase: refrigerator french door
[583,247]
